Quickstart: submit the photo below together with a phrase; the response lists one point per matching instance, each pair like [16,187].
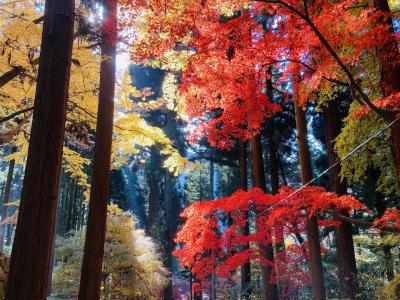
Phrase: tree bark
[31,253]
[153,202]
[245,270]
[346,259]
[316,271]
[270,290]
[6,199]
[91,275]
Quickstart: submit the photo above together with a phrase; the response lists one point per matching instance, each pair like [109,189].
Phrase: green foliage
[376,154]
[132,265]
[371,265]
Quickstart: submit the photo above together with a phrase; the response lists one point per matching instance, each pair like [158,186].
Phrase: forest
[199,149]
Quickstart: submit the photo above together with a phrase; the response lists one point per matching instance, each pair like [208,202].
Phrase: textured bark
[36,220]
[6,199]
[346,260]
[270,291]
[245,270]
[317,276]
[100,184]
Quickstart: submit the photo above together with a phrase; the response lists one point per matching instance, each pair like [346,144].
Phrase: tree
[205,229]
[245,271]
[38,206]
[344,232]
[270,291]
[317,277]
[96,226]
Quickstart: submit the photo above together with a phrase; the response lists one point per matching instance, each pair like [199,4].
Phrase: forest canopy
[200,149]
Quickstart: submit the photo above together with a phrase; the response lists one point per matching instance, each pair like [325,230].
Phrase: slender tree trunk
[316,271]
[153,203]
[270,291]
[273,159]
[31,253]
[346,259]
[6,199]
[213,291]
[245,270]
[274,175]
[100,185]
[281,169]
[168,295]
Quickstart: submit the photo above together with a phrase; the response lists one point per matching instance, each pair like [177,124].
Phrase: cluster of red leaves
[224,82]
[391,218]
[209,243]
[392,103]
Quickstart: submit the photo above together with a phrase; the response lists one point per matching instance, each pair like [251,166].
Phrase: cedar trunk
[92,264]
[274,176]
[245,271]
[36,220]
[346,260]
[316,271]
[6,199]
[270,291]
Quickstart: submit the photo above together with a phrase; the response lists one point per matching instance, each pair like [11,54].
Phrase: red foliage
[208,241]
[391,103]
[224,82]
[391,218]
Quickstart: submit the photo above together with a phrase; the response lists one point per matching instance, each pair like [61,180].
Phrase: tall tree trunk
[316,271]
[270,291]
[346,259]
[153,203]
[245,271]
[213,290]
[169,216]
[281,168]
[390,73]
[100,185]
[274,176]
[273,159]
[31,253]
[6,199]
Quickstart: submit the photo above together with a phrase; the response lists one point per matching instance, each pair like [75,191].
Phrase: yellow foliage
[131,131]
[128,253]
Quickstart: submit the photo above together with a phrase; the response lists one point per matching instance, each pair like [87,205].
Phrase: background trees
[217,99]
